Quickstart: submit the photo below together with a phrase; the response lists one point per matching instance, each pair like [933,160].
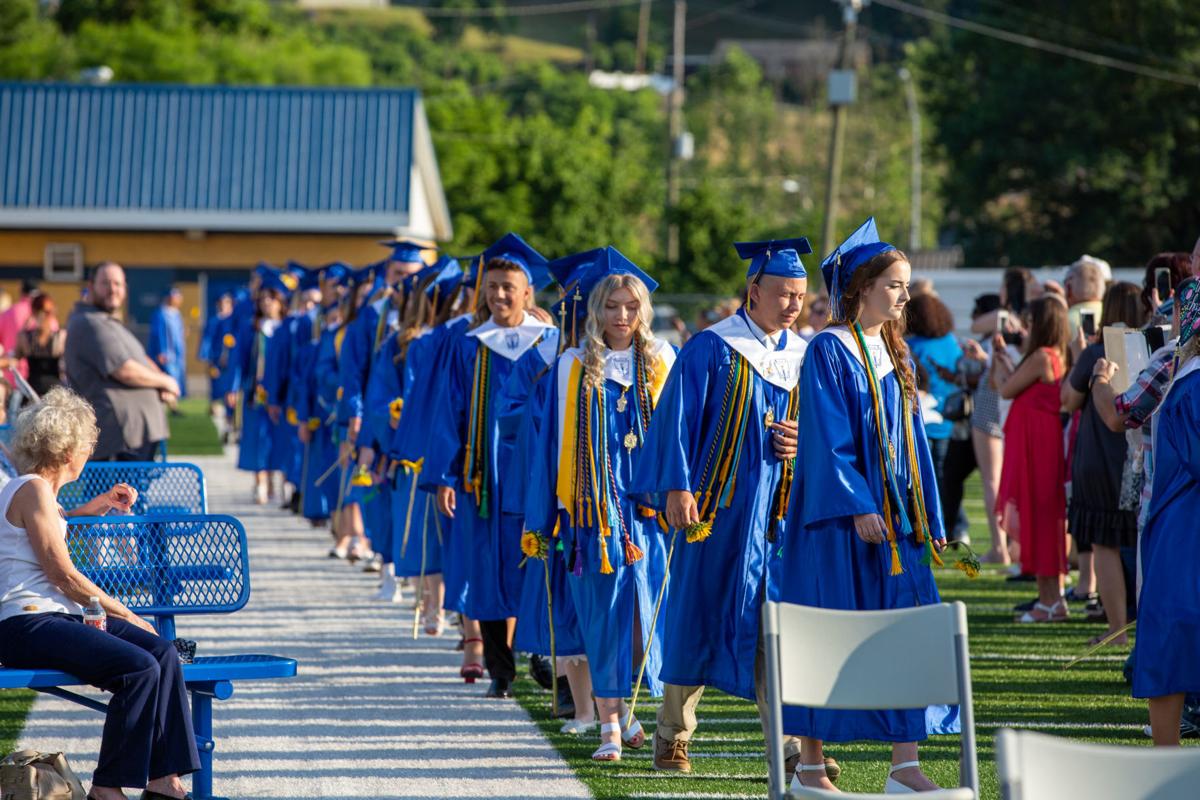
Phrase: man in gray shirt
[109,367]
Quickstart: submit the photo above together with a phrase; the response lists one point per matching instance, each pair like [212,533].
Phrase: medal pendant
[622,404]
[769,418]
[631,441]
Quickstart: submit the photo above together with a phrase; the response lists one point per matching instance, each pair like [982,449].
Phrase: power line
[526,11]
[1041,44]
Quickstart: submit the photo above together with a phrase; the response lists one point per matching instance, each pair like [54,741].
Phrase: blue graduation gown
[607,607]
[317,399]
[384,384]
[362,341]
[214,350]
[421,380]
[1166,655]
[717,585]
[166,344]
[261,446]
[824,563]
[490,546]
[524,406]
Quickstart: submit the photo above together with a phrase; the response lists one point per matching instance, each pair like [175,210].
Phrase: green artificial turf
[193,433]
[14,707]
[1018,678]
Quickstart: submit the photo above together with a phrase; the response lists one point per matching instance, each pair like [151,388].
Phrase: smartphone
[1014,290]
[1162,282]
[1156,338]
[1087,321]
[1001,321]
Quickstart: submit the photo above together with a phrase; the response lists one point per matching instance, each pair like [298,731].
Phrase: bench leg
[202,726]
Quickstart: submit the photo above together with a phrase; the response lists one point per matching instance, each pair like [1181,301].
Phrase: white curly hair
[52,431]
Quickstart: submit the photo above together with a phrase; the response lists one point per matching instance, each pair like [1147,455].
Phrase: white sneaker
[389,590]
[374,564]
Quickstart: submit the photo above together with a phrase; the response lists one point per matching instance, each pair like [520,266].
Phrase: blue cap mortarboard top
[584,279]
[404,249]
[563,269]
[779,257]
[263,270]
[283,282]
[513,249]
[859,248]
[335,271]
[448,275]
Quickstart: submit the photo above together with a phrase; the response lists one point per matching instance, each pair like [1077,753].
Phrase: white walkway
[372,713]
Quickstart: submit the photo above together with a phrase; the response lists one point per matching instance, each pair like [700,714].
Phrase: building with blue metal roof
[193,185]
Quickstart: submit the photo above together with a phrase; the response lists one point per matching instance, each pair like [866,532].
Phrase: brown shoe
[671,756]
[833,770]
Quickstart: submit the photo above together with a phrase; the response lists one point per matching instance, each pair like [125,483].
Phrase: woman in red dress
[1032,496]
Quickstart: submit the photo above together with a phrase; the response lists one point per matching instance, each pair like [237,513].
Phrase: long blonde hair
[593,329]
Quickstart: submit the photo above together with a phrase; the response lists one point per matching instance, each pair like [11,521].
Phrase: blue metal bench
[164,488]
[160,567]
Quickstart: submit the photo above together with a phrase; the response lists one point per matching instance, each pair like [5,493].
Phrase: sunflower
[395,407]
[292,417]
[361,477]
[966,562]
[534,545]
[260,395]
[314,423]
[228,341]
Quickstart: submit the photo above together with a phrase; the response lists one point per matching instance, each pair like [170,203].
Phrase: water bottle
[94,615]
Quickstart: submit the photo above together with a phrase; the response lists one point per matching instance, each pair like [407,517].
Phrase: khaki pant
[677,714]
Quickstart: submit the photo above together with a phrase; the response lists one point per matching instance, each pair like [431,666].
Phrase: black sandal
[150,794]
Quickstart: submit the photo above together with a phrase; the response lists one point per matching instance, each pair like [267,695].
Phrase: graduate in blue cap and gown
[1166,653]
[417,531]
[314,397]
[261,447]
[378,316]
[864,524]
[382,401]
[296,328]
[718,462]
[215,346]
[595,409]
[167,344]
[470,454]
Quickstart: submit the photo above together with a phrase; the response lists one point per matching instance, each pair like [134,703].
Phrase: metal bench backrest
[164,488]
[161,566]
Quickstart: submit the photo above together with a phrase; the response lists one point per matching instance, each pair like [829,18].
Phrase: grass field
[1018,677]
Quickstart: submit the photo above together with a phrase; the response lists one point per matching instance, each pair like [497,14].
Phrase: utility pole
[914,117]
[643,36]
[841,94]
[676,131]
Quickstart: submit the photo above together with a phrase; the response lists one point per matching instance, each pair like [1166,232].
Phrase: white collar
[875,346]
[778,367]
[769,340]
[512,343]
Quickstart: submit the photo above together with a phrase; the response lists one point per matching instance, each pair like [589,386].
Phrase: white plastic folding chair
[873,660]
[1035,766]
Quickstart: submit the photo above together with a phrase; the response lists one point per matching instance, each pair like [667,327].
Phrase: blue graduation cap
[335,271]
[283,282]
[307,278]
[859,248]
[513,249]
[584,279]
[779,257]
[448,274]
[263,270]
[563,269]
[404,249]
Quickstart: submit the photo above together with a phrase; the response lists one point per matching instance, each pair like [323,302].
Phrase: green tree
[1049,157]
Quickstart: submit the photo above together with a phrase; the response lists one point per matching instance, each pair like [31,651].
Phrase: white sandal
[578,727]
[632,733]
[1028,616]
[608,751]
[796,785]
[893,786]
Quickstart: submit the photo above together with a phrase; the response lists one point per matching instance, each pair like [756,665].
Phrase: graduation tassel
[633,553]
[606,567]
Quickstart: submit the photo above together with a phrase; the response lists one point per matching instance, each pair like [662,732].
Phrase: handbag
[958,406]
[30,775]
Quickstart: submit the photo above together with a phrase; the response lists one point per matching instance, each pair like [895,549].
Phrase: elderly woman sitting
[148,730]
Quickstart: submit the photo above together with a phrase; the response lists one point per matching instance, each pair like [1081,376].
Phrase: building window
[63,262]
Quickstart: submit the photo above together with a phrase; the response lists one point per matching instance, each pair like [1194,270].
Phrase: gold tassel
[647,512]
[897,569]
[633,553]
[605,566]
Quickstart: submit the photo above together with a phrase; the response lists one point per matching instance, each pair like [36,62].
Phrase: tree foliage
[1048,157]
